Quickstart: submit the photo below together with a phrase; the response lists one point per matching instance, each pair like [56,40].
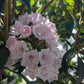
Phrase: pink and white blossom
[32,72]
[17,50]
[30,59]
[46,57]
[50,59]
[15,29]
[46,72]
[10,41]
[26,31]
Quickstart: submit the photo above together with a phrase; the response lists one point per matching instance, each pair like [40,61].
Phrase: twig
[6,21]
[1,71]
[21,10]
[79,29]
[9,12]
[34,5]
[78,34]
[46,6]
[13,9]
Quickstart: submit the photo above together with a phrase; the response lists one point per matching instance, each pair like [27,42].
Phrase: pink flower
[25,19]
[26,31]
[41,31]
[30,59]
[54,76]
[52,41]
[45,72]
[10,63]
[38,19]
[15,29]
[46,57]
[31,72]
[11,40]
[17,50]
[57,62]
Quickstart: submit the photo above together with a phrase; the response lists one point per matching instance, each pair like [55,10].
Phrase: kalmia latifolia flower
[26,31]
[17,50]
[30,59]
[35,28]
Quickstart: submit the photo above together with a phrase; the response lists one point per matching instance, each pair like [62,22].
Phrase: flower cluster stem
[6,21]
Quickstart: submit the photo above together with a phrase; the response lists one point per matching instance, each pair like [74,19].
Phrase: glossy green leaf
[66,59]
[80,68]
[1,4]
[27,4]
[4,54]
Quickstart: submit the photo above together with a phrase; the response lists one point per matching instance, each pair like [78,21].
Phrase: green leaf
[80,70]
[66,59]
[78,5]
[1,4]
[69,26]
[80,67]
[27,4]
[79,80]
[61,39]
[4,54]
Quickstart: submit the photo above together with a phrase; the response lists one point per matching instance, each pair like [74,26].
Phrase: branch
[46,6]
[6,21]
[78,34]
[21,10]
[34,5]
[1,71]
[13,9]
[9,12]
[79,29]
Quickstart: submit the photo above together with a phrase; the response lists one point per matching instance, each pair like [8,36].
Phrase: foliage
[68,16]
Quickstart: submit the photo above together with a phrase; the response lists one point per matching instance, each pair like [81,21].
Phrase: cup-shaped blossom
[25,19]
[17,50]
[31,72]
[57,62]
[45,72]
[30,59]
[26,31]
[52,41]
[38,19]
[10,41]
[41,31]
[9,64]
[15,29]
[54,76]
[46,57]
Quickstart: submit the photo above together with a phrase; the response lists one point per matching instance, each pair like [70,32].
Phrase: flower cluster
[45,63]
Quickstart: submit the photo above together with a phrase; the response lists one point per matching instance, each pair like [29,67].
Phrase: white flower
[17,50]
[31,72]
[10,41]
[46,57]
[30,59]
[46,72]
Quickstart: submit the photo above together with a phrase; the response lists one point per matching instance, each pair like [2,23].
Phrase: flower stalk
[6,21]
